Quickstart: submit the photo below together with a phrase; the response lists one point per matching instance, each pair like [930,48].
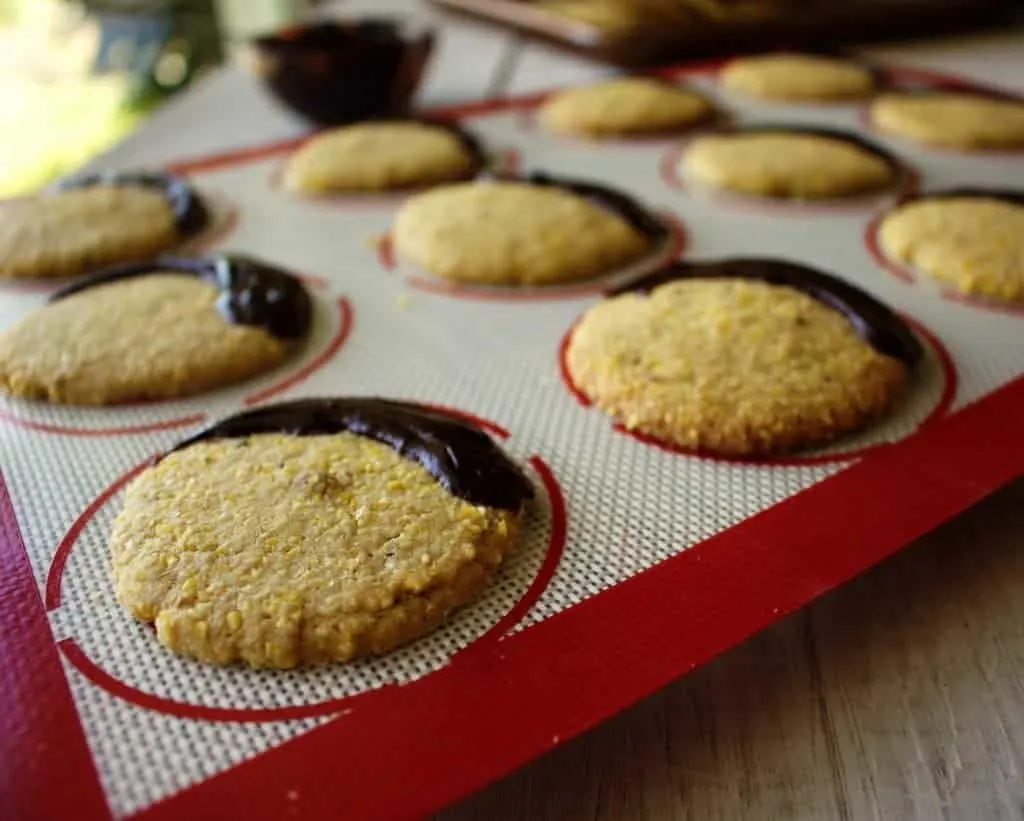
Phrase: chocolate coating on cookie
[955,88]
[472,146]
[462,458]
[873,321]
[190,213]
[818,131]
[1008,195]
[610,199]
[251,292]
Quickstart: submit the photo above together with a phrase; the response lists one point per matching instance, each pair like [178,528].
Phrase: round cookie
[608,15]
[380,156]
[316,545]
[776,163]
[963,121]
[716,358]
[974,241]
[798,78]
[97,220]
[154,331]
[522,232]
[623,106]
[64,234]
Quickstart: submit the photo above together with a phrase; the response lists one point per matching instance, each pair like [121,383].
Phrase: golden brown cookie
[964,121]
[733,365]
[798,78]
[607,15]
[160,331]
[515,233]
[277,549]
[624,106]
[972,241]
[67,233]
[96,220]
[380,156]
[787,164]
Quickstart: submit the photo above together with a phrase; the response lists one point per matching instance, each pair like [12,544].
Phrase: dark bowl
[344,71]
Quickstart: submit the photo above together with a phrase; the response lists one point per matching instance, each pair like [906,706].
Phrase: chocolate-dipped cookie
[534,230]
[97,220]
[315,531]
[969,238]
[170,327]
[746,357]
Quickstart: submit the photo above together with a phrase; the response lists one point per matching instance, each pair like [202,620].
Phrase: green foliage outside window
[76,77]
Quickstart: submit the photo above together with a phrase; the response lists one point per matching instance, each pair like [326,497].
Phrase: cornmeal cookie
[798,78]
[962,121]
[741,358]
[532,231]
[379,156]
[628,105]
[626,16]
[155,330]
[971,239]
[94,221]
[798,163]
[315,531]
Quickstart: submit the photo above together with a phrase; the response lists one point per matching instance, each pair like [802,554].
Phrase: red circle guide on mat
[522,693]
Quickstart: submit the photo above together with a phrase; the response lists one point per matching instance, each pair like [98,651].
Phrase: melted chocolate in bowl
[341,72]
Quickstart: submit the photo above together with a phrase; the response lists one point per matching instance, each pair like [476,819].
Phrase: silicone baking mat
[638,562]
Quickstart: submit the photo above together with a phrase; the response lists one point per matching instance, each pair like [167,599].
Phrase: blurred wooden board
[811,24]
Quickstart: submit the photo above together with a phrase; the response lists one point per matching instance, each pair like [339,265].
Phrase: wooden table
[898,697]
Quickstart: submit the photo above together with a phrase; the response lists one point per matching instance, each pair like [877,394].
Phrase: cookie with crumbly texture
[156,336]
[624,106]
[787,164]
[728,366]
[962,121]
[622,15]
[798,78]
[608,15]
[379,156]
[279,550]
[514,233]
[69,232]
[974,243]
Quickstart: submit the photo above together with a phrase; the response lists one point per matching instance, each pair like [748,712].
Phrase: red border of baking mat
[487,713]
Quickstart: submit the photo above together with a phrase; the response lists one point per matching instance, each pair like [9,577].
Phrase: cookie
[746,358]
[972,240]
[156,330]
[623,106]
[381,156]
[95,221]
[963,121]
[607,15]
[622,16]
[798,78]
[534,231]
[315,531]
[780,163]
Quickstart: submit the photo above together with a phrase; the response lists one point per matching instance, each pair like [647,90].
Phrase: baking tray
[637,564]
[809,25]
